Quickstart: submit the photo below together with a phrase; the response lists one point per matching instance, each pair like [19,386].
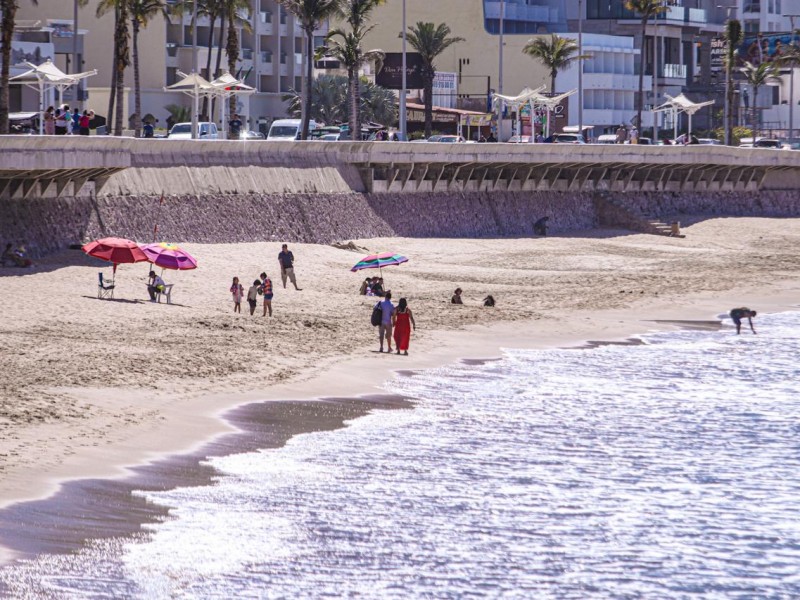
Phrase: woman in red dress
[402,323]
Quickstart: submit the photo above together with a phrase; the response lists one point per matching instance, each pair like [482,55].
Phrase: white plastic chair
[167,292]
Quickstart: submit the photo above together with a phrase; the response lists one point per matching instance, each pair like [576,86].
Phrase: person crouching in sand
[737,314]
[403,323]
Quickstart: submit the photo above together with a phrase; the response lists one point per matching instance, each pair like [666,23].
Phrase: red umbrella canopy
[115,250]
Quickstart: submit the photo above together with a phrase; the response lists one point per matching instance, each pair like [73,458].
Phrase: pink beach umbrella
[169,256]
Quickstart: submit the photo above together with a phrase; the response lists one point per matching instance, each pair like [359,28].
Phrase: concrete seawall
[315,192]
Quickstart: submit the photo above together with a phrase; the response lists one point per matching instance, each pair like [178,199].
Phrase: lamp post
[728,82]
[655,79]
[403,83]
[792,66]
[195,102]
[580,71]
[76,66]
[500,78]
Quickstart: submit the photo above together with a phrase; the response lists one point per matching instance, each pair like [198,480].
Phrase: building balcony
[520,12]
[612,81]
[266,68]
[608,116]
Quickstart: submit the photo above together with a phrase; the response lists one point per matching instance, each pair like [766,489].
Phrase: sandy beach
[92,386]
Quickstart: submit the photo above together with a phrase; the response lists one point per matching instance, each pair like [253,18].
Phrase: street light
[793,65]
[580,70]
[403,124]
[728,70]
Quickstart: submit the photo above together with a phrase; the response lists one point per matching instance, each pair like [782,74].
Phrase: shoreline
[230,429]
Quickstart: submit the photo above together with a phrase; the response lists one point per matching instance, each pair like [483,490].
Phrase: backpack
[377,315]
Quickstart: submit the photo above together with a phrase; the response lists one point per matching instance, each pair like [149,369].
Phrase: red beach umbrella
[115,250]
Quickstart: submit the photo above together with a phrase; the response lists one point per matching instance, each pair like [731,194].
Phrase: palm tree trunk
[428,106]
[232,50]
[213,23]
[122,63]
[755,114]
[729,98]
[355,104]
[553,74]
[221,37]
[309,74]
[112,88]
[137,88]
[9,14]
[640,100]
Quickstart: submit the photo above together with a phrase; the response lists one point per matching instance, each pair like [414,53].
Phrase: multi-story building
[271,55]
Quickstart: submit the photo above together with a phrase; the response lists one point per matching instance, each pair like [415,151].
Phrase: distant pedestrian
[737,314]
[266,290]
[237,291]
[403,323]
[385,329]
[456,299]
[235,127]
[622,134]
[49,121]
[252,295]
[68,119]
[286,260]
[60,122]
[634,135]
[148,130]
[83,123]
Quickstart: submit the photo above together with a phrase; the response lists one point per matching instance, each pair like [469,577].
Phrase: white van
[183,131]
[287,130]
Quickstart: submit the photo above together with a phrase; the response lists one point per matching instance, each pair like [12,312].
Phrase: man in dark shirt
[286,260]
[737,314]
[148,130]
[235,127]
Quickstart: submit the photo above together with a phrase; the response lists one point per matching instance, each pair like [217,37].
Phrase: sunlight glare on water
[661,470]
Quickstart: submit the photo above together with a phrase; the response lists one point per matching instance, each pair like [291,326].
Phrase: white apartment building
[271,56]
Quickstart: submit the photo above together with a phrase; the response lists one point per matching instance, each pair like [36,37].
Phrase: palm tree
[757,76]
[230,13]
[646,9]
[733,37]
[555,53]
[9,10]
[141,13]
[430,41]
[122,59]
[311,14]
[348,46]
[330,96]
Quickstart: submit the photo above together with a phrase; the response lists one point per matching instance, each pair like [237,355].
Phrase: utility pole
[195,70]
[580,71]
[500,79]
[76,66]
[655,80]
[404,83]
[792,66]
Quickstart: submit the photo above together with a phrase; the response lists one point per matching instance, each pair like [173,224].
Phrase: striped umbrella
[378,261]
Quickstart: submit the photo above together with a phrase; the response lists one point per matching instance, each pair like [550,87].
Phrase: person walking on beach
[286,260]
[237,290]
[252,295]
[266,290]
[403,323]
[737,314]
[385,329]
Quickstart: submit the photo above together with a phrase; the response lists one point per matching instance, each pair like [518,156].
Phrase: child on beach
[266,289]
[237,290]
[252,295]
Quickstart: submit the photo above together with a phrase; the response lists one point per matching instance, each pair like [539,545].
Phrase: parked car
[183,131]
[519,139]
[287,130]
[568,138]
[329,137]
[434,138]
[451,139]
[760,143]
[251,135]
[709,141]
[607,138]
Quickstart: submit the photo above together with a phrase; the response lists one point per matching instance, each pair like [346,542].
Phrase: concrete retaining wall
[47,225]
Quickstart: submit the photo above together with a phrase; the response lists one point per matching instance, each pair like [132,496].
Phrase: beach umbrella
[115,250]
[378,261]
[169,256]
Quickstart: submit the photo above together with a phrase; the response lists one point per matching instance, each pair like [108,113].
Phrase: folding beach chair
[104,290]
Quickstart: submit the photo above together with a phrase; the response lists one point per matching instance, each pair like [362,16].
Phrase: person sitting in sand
[737,314]
[488,301]
[456,299]
[155,285]
[403,323]
[366,286]
[16,257]
[252,295]
[377,287]
[540,227]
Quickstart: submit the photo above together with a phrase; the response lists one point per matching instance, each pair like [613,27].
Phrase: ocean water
[667,469]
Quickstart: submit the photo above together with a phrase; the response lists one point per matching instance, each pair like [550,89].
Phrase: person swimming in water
[737,314]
